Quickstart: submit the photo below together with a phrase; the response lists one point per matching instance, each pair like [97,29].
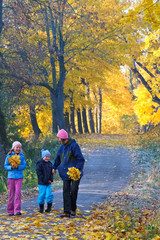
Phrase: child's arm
[22,165]
[7,165]
[39,171]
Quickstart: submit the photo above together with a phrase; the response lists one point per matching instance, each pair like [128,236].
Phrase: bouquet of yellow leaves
[74,173]
[14,160]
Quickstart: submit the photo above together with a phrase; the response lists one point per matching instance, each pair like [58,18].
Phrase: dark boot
[49,205]
[41,208]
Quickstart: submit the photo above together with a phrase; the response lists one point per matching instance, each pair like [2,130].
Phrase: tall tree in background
[99,110]
[146,65]
[55,39]
[3,136]
[50,44]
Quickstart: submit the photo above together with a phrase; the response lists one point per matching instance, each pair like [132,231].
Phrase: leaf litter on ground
[132,213]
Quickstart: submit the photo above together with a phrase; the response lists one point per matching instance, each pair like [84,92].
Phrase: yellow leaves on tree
[117,101]
[23,121]
[74,173]
[151,60]
[146,110]
[148,10]
[14,160]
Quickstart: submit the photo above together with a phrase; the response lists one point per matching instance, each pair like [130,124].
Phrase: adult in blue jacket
[69,155]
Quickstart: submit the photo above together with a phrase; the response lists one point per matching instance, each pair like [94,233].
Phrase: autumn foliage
[14,160]
[74,173]
[88,67]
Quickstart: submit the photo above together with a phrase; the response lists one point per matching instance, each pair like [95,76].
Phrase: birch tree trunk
[99,110]
[96,119]
[90,115]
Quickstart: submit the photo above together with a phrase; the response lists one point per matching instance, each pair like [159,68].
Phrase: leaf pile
[122,217]
[14,160]
[74,173]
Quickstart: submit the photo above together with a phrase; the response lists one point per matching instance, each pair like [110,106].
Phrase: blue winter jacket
[44,172]
[18,172]
[69,155]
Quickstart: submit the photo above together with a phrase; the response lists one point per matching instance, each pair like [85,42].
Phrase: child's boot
[49,205]
[41,208]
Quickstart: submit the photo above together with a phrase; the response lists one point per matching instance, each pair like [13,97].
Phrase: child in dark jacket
[45,178]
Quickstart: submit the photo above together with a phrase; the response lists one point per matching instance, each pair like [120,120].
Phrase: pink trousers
[14,200]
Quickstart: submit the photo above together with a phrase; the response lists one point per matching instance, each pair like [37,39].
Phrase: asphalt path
[106,170]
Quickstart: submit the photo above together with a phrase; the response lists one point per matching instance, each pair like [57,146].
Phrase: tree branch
[140,64]
[146,85]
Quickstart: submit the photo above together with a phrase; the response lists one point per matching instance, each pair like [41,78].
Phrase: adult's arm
[79,156]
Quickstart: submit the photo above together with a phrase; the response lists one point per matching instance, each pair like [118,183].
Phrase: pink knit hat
[15,144]
[62,134]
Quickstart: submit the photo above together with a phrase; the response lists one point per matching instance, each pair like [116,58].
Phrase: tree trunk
[91,121]
[60,108]
[131,80]
[1,21]
[3,135]
[3,139]
[72,117]
[35,126]
[99,110]
[79,119]
[84,117]
[57,91]
[96,119]
[66,119]
[54,115]
[90,115]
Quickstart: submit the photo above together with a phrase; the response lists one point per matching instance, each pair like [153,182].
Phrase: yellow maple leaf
[74,173]
[14,160]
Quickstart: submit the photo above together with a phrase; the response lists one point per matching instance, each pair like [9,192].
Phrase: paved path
[107,170]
